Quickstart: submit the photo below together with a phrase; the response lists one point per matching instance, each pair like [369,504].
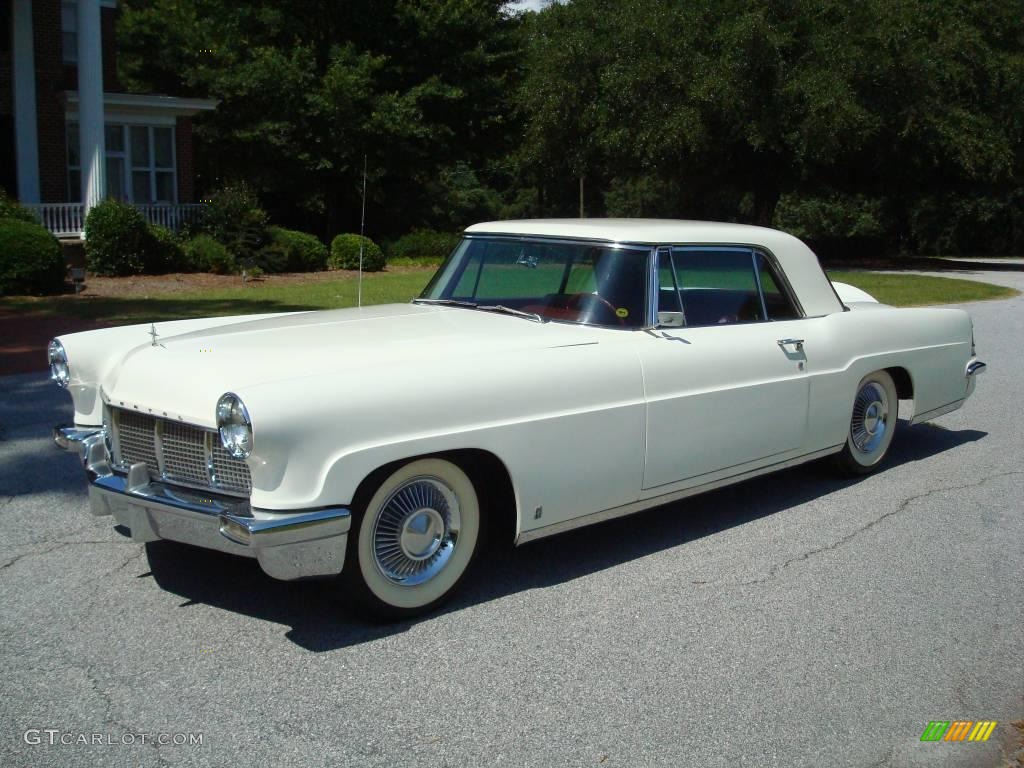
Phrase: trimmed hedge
[30,258]
[118,241]
[302,252]
[205,254]
[12,209]
[424,244]
[345,253]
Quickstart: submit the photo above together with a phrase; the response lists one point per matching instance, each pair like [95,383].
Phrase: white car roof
[801,266]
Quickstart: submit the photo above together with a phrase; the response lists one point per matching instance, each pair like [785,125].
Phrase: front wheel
[411,544]
[872,423]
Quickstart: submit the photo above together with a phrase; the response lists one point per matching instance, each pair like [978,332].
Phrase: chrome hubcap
[422,533]
[870,420]
[416,531]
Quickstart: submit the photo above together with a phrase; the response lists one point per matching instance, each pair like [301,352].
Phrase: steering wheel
[575,300]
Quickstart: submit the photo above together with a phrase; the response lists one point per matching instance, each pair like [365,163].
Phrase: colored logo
[958,730]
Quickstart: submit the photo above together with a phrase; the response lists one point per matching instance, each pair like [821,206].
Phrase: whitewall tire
[872,424]
[413,541]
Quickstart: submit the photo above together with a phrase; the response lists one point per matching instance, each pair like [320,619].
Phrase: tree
[309,87]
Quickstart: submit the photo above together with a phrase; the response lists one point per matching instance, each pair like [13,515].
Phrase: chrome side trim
[657,501]
[976,368]
[935,412]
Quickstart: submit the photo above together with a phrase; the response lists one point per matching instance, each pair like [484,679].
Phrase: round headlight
[234,426]
[59,371]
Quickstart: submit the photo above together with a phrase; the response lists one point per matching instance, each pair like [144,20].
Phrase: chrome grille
[184,448]
[135,439]
[227,471]
[178,453]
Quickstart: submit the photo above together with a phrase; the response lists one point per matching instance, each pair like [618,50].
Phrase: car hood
[182,376]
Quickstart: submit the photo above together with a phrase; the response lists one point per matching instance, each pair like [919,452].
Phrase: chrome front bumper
[287,545]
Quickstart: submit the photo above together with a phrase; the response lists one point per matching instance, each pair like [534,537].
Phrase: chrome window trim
[760,285]
[785,287]
[651,321]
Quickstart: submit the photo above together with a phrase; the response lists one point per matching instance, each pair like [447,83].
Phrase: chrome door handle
[798,343]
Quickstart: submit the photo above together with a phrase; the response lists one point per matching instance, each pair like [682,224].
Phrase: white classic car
[553,373]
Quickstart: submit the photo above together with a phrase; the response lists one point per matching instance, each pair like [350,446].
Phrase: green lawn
[385,287]
[916,290]
[248,298]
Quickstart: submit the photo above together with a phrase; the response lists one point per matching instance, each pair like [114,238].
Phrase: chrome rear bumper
[974,369]
[287,545]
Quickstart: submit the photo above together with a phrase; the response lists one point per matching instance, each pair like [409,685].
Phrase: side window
[717,286]
[775,300]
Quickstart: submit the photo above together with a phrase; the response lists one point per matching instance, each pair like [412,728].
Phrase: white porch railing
[66,219]
[62,219]
[173,216]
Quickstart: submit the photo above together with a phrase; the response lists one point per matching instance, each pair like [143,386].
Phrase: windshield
[587,283]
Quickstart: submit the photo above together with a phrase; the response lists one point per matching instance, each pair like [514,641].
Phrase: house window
[69,31]
[139,163]
[74,164]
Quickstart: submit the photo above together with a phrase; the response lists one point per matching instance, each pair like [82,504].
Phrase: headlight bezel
[60,370]
[234,427]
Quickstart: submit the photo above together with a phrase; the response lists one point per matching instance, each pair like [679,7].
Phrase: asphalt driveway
[795,620]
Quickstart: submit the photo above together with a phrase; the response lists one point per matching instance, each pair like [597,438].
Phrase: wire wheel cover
[870,421]
[416,531]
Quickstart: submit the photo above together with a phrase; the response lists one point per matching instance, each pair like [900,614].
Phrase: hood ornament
[153,336]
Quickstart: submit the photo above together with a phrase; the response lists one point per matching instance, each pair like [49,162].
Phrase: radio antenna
[362,228]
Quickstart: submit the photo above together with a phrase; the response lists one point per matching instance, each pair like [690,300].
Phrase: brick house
[70,136]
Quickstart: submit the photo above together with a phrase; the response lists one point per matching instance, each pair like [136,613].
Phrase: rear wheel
[872,423]
[412,543]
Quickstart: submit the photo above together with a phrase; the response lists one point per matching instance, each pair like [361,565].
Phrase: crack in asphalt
[53,548]
[775,569]
[110,720]
[22,556]
[129,560]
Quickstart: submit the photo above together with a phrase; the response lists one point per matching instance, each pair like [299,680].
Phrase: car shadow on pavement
[320,621]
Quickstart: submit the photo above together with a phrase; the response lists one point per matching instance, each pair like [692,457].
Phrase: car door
[725,372]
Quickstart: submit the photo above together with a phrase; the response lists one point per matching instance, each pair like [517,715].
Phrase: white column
[90,104]
[26,137]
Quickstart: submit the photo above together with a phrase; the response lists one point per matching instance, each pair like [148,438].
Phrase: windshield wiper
[446,302]
[510,311]
[486,307]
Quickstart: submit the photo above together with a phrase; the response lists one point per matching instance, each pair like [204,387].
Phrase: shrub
[424,244]
[345,253]
[11,209]
[234,218]
[168,255]
[204,254]
[303,252]
[30,258]
[270,259]
[119,242]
